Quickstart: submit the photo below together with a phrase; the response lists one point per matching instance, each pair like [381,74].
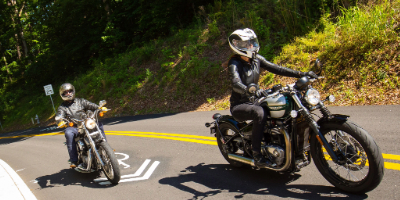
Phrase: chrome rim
[108,169]
[356,167]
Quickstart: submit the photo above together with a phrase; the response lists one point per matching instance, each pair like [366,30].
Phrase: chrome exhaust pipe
[241,159]
[250,161]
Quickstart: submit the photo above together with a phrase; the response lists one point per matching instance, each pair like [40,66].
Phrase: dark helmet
[67,92]
[244,42]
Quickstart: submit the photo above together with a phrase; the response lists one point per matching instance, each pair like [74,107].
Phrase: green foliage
[164,49]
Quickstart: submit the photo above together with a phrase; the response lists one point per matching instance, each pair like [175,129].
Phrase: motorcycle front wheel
[361,166]
[111,165]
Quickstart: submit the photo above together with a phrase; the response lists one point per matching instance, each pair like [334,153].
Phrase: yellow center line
[191,138]
[33,135]
[168,138]
[154,133]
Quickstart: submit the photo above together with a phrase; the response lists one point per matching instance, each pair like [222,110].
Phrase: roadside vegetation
[184,69]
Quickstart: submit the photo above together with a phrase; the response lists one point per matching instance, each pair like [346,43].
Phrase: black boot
[260,161]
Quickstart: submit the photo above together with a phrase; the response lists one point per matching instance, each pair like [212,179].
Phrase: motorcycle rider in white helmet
[244,69]
[69,107]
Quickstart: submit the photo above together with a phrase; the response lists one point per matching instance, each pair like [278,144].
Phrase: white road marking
[137,173]
[146,176]
[126,156]
[14,182]
[129,177]
[19,170]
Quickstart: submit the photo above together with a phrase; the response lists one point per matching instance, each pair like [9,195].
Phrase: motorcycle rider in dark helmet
[244,69]
[69,107]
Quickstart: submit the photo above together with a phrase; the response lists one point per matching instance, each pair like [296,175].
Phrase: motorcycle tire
[226,131]
[111,165]
[362,167]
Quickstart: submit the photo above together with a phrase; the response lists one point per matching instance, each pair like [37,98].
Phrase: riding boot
[260,161]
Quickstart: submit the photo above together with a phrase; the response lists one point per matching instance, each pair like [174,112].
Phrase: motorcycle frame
[290,141]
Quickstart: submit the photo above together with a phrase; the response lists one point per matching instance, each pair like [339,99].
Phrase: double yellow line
[168,136]
[192,138]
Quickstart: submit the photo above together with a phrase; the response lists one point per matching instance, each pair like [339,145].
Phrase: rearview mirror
[318,66]
[102,103]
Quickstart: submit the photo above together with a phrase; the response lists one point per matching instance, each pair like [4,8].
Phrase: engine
[274,149]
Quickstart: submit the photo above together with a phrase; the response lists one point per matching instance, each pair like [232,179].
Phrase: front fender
[333,118]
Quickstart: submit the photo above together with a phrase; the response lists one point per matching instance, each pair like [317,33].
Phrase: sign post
[49,91]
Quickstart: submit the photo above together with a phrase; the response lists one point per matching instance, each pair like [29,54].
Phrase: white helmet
[244,42]
[67,92]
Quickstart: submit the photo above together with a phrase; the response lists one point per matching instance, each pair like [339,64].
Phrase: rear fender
[228,119]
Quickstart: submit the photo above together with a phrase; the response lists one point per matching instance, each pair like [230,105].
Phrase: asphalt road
[183,165]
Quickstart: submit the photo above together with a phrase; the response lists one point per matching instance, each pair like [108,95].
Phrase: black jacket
[242,73]
[70,108]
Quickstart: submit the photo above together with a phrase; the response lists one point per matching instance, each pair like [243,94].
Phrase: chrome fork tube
[89,160]
[314,126]
[96,153]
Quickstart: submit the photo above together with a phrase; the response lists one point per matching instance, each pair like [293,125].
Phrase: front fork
[314,126]
[93,145]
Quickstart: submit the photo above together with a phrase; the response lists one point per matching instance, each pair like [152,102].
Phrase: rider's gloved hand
[259,93]
[311,74]
[103,109]
[62,124]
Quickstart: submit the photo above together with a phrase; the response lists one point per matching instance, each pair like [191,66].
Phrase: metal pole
[1,126]
[53,104]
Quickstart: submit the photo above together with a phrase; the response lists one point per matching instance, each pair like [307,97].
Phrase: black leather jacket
[242,73]
[70,108]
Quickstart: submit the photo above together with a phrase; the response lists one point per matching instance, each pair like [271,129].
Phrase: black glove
[259,93]
[311,74]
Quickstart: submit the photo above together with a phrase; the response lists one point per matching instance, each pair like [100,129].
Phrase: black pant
[244,112]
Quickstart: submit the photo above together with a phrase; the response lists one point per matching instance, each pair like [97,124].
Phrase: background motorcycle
[94,153]
[344,153]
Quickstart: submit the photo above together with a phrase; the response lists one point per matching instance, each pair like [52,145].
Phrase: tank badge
[276,107]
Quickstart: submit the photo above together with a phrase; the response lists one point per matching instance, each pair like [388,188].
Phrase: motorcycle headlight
[90,124]
[312,97]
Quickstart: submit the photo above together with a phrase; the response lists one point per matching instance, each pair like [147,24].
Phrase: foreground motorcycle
[344,153]
[94,153]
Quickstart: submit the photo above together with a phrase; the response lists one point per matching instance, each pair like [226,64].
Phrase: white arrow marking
[126,156]
[146,176]
[137,173]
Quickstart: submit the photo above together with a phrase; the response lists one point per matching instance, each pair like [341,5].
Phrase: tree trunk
[11,3]
[19,29]
[8,70]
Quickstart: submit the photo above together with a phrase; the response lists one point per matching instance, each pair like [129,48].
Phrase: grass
[187,71]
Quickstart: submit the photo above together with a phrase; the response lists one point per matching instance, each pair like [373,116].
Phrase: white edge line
[137,173]
[23,188]
[146,176]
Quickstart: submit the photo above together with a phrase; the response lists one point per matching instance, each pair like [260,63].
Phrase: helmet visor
[248,45]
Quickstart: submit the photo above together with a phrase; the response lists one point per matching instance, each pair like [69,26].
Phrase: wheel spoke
[355,168]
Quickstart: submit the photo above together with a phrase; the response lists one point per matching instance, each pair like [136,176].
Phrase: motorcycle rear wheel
[111,165]
[362,169]
[227,131]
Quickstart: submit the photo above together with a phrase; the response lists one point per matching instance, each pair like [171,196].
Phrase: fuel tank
[279,106]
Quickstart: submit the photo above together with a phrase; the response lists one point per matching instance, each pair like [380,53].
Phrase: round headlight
[90,124]
[312,97]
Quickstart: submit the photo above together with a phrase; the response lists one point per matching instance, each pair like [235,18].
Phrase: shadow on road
[67,177]
[220,178]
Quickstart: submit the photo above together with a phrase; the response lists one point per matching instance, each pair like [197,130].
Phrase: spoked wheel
[360,168]
[111,165]
[227,132]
